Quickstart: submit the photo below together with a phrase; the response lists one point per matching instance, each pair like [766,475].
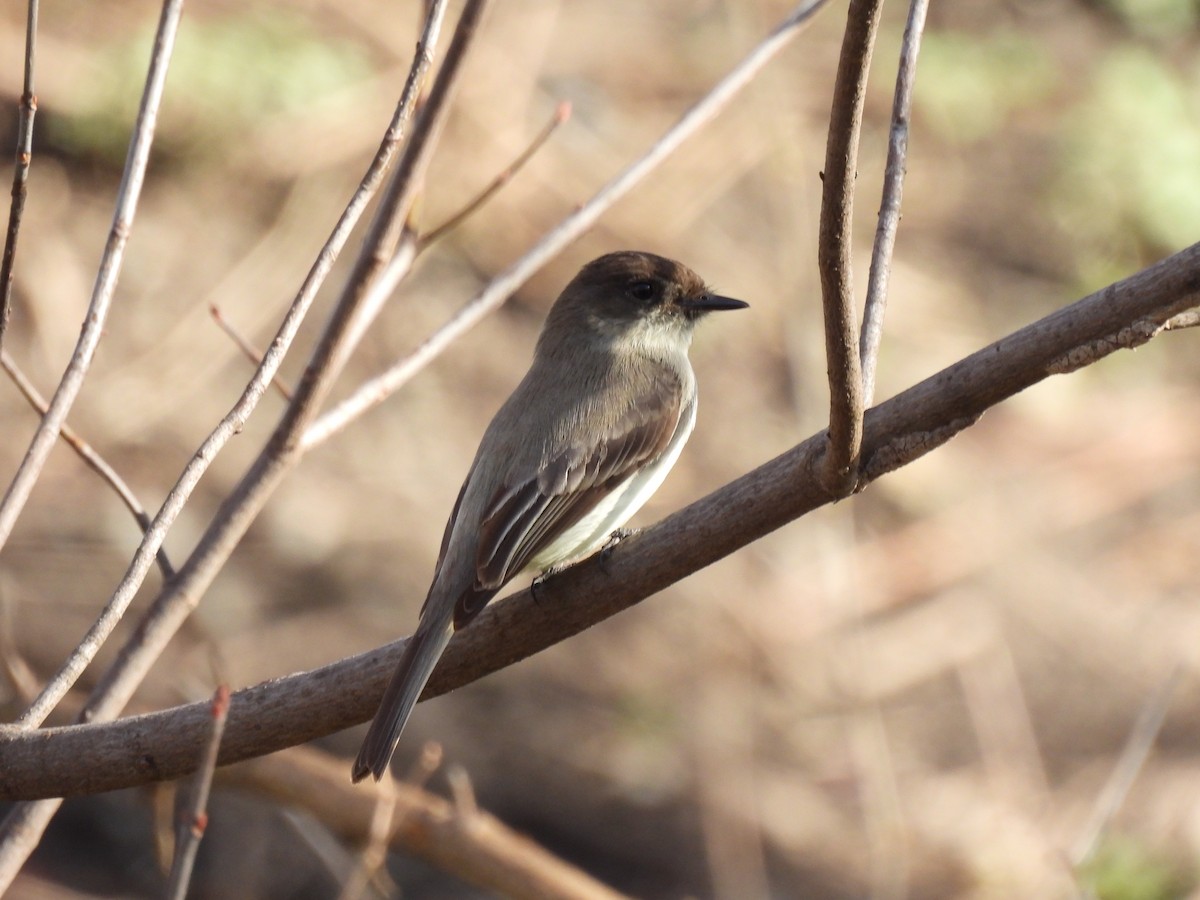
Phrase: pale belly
[591,532]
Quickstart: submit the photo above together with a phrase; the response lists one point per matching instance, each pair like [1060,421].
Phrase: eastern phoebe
[581,444]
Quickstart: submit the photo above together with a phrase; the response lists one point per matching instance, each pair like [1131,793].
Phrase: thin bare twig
[387,818]
[1133,757]
[561,114]
[834,246]
[889,206]
[193,823]
[373,856]
[88,454]
[23,826]
[283,449]
[1002,722]
[173,605]
[109,271]
[462,792]
[478,849]
[233,421]
[13,668]
[251,352]
[428,761]
[373,392]
[24,157]
[327,849]
[380,291]
[297,708]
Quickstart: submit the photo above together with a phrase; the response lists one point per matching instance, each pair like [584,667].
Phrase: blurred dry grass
[919,692]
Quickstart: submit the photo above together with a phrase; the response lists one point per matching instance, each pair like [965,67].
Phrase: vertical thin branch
[889,205]
[106,276]
[24,157]
[143,558]
[833,250]
[90,457]
[194,822]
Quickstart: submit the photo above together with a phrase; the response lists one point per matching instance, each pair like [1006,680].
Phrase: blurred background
[921,692]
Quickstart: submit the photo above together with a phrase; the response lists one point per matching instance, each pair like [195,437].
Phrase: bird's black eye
[643,290]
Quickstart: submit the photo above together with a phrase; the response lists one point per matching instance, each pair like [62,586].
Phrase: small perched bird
[582,443]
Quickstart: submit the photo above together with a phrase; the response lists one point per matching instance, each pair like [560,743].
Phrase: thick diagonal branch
[301,707]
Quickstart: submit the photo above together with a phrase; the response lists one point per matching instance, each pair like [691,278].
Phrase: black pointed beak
[706,303]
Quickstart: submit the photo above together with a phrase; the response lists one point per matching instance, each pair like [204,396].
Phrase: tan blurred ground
[917,693]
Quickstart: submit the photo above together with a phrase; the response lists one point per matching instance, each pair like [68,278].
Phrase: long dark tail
[421,654]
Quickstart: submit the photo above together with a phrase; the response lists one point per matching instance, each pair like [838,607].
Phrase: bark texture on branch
[298,708]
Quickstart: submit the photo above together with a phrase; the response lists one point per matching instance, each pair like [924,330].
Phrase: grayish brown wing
[525,518]
[475,596]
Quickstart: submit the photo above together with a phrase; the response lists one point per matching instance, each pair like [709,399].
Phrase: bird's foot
[541,579]
[615,538]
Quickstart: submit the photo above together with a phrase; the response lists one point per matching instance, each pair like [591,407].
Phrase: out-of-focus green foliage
[224,73]
[1156,17]
[969,84]
[647,716]
[1129,183]
[1125,870]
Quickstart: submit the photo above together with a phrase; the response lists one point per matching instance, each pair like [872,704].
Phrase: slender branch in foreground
[24,157]
[193,824]
[477,848]
[561,113]
[373,392]
[283,449]
[233,421]
[24,825]
[249,351]
[301,707]
[834,246]
[889,206]
[109,271]
[90,457]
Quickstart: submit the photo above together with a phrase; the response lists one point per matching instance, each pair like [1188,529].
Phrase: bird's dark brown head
[630,291]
